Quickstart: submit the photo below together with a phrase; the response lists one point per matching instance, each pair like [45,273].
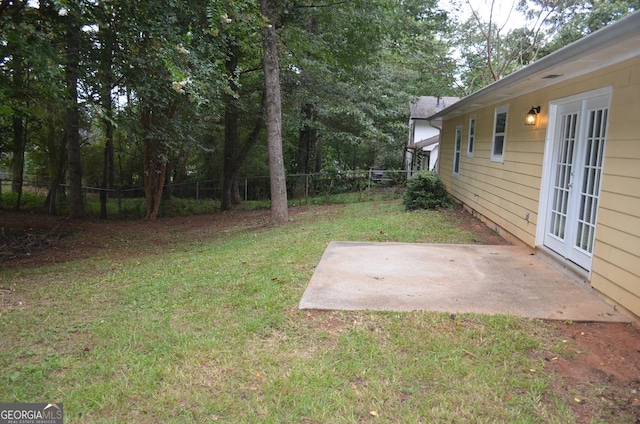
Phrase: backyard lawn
[195,319]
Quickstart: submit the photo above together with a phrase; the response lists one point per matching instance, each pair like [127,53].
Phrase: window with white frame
[456,151]
[499,134]
[472,136]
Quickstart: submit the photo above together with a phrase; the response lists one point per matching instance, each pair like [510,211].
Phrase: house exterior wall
[506,193]
[421,130]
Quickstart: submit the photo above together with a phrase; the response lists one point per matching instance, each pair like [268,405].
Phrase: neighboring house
[569,185]
[422,149]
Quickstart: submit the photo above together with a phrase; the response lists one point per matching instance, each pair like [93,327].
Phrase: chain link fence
[206,195]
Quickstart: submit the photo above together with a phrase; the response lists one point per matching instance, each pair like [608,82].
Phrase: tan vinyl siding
[616,264]
[625,245]
[608,274]
[502,192]
[623,168]
[629,300]
[629,223]
[505,192]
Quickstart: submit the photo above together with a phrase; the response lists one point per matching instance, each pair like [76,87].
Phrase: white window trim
[499,110]
[457,147]
[472,119]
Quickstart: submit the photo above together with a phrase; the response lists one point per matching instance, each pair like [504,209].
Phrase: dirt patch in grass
[460,217]
[599,377]
[76,239]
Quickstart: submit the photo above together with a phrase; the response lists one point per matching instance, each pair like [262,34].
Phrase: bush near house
[426,190]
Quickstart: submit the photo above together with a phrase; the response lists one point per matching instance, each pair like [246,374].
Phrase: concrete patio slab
[449,278]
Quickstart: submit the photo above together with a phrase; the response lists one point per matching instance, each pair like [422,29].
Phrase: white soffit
[610,45]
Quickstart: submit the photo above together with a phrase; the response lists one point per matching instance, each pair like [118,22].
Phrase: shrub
[425,190]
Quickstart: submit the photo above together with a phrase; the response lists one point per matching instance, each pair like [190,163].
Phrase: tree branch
[253,137]
[324,5]
[247,71]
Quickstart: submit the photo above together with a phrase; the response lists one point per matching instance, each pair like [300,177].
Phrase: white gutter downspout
[437,124]
[408,156]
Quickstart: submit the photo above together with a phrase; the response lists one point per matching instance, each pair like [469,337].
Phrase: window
[456,150]
[472,135]
[499,134]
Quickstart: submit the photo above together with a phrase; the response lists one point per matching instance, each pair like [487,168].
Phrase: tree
[72,124]
[273,112]
[351,69]
[490,50]
[21,40]
[565,21]
[162,41]
[206,78]
[106,38]
[239,28]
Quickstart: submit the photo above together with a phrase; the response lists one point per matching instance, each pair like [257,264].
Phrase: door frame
[548,165]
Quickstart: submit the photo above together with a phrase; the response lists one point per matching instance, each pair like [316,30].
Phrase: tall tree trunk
[155,166]
[107,167]
[154,174]
[306,146]
[17,162]
[235,151]
[19,139]
[18,97]
[111,172]
[308,133]
[57,168]
[232,164]
[107,81]
[72,126]
[237,199]
[229,180]
[231,135]
[317,150]
[273,114]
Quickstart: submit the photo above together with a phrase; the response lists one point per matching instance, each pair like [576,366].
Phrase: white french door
[578,140]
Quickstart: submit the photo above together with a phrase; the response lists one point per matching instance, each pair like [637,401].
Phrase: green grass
[209,330]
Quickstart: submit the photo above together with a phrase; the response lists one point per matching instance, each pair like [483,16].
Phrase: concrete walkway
[449,278]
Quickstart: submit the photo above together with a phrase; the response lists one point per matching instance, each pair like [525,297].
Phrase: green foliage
[489,52]
[358,65]
[566,21]
[491,49]
[354,66]
[426,190]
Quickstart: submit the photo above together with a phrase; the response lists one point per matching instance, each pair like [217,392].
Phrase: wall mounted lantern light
[532,116]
